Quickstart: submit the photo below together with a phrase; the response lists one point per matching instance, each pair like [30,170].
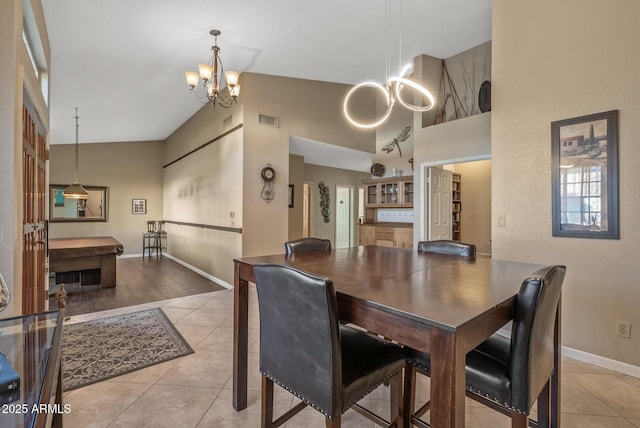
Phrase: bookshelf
[456,206]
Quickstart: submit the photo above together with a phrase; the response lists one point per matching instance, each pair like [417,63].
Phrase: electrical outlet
[624,329]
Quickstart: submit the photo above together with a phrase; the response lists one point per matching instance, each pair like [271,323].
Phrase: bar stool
[152,238]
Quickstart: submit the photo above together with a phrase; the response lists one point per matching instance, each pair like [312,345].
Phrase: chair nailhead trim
[498,402]
[309,403]
[480,393]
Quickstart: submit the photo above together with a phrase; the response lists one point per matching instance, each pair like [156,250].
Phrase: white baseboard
[596,360]
[199,271]
[604,362]
[130,256]
[187,265]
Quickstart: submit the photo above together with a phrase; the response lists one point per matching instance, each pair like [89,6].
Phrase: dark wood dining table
[437,303]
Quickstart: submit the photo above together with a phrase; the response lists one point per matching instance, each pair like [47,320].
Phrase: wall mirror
[94,208]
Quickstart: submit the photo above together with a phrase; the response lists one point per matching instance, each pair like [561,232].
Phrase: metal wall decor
[402,136]
[377,170]
[268,174]
[325,200]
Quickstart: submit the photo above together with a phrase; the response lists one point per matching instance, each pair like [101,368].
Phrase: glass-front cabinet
[372,195]
[407,193]
[389,192]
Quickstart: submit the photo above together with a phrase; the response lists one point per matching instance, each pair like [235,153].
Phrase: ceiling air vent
[227,122]
[268,120]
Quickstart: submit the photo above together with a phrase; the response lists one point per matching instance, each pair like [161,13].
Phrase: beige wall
[467,71]
[585,61]
[305,108]
[130,171]
[206,188]
[308,109]
[296,177]
[331,177]
[457,141]
[16,73]
[475,226]
[386,133]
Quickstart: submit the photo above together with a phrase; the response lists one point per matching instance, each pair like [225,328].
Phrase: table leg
[240,339]
[557,363]
[447,381]
[108,271]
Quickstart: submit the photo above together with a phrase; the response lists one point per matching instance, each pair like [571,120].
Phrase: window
[33,44]
[581,196]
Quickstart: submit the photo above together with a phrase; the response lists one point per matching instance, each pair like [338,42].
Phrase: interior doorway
[306,211]
[344,216]
[473,208]
[439,210]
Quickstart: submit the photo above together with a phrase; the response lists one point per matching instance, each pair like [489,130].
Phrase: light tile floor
[195,390]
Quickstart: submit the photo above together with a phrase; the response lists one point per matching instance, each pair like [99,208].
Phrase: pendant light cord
[76,180]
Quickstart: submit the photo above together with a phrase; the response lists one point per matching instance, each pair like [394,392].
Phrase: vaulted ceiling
[122,62]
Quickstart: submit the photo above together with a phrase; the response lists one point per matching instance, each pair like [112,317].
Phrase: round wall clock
[268,174]
[377,170]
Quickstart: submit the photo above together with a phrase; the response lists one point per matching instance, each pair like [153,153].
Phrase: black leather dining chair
[305,350]
[307,244]
[444,246]
[508,374]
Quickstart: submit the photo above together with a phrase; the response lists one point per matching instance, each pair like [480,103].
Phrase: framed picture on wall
[290,195]
[139,206]
[584,176]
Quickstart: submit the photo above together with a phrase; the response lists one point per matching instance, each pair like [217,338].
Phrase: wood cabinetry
[386,236]
[456,206]
[367,235]
[403,237]
[396,192]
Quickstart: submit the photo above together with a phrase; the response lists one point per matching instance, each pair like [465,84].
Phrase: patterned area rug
[101,349]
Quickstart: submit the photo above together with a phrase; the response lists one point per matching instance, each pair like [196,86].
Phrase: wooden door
[34,225]
[439,212]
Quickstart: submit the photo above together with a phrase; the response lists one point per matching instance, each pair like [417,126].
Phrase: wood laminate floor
[138,281]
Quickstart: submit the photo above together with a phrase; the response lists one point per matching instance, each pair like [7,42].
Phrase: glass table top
[27,344]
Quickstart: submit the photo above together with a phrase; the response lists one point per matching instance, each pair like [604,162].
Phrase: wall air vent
[227,122]
[268,120]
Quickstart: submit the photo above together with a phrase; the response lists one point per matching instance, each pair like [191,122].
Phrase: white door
[306,203]
[439,218]
[343,223]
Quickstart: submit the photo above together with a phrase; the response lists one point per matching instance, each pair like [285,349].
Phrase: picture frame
[584,176]
[291,195]
[139,206]
[64,210]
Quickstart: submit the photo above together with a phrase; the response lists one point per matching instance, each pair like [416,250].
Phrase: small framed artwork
[290,195]
[139,206]
[584,176]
